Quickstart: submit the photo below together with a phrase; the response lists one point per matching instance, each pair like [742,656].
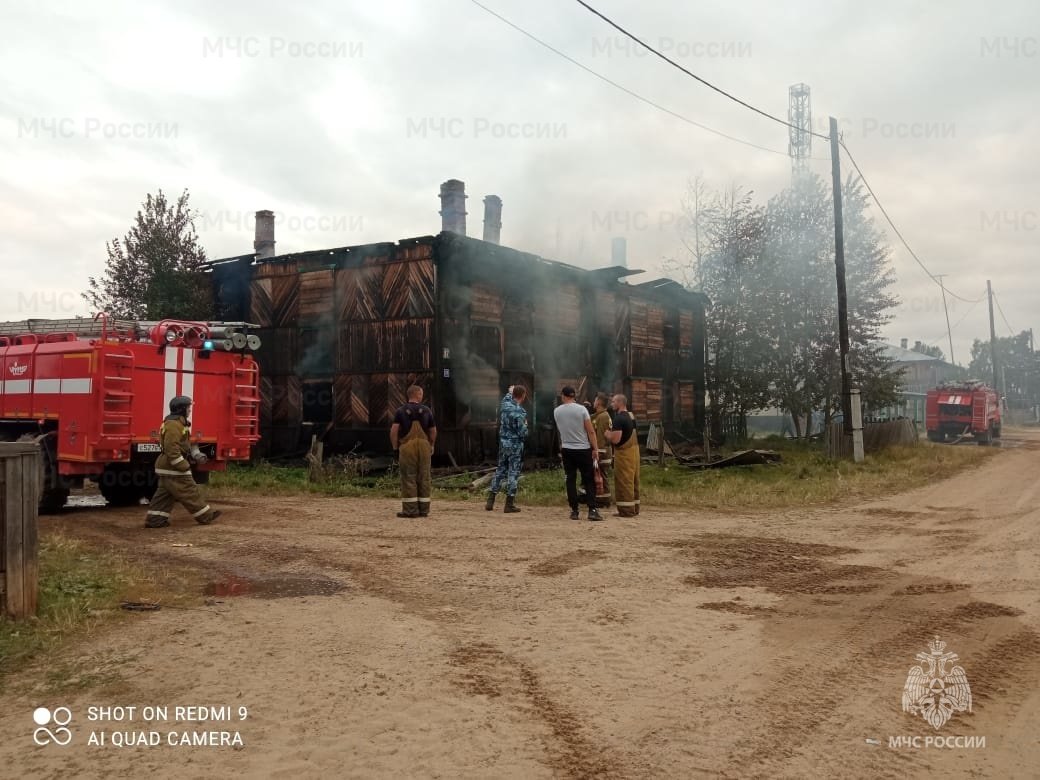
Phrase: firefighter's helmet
[179,404]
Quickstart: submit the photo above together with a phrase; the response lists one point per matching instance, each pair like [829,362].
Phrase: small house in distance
[346,330]
[919,373]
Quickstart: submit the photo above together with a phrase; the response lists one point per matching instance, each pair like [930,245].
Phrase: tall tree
[799,251]
[737,378]
[772,328]
[723,234]
[1019,368]
[156,271]
[869,279]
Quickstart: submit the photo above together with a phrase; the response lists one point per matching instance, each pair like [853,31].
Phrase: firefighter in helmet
[173,467]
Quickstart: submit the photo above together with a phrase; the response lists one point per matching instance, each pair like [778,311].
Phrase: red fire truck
[93,394]
[958,409]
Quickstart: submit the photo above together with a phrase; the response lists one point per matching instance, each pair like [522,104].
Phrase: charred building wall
[345,331]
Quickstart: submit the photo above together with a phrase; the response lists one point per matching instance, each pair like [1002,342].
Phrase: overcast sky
[345,117]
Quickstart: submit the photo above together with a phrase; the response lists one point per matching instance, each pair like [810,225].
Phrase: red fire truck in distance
[958,409]
[93,394]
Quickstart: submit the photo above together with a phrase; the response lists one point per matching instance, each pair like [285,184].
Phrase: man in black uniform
[626,458]
[413,435]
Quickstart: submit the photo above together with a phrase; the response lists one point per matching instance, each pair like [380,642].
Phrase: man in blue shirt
[512,433]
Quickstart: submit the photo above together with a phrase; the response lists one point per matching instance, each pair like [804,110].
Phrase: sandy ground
[471,644]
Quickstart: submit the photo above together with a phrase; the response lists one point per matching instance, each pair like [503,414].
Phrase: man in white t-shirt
[578,448]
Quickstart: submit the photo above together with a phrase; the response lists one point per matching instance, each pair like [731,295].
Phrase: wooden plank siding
[316,295]
[686,331]
[464,319]
[486,304]
[275,295]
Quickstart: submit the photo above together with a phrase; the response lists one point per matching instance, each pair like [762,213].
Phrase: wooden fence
[19,499]
[876,437]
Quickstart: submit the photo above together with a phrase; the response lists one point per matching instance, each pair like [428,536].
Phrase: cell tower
[799,114]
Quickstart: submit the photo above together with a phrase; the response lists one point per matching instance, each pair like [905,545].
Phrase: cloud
[344,119]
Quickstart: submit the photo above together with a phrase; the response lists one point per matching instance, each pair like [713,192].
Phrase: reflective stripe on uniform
[201,511]
[171,473]
[626,503]
[410,500]
[176,460]
[422,500]
[159,514]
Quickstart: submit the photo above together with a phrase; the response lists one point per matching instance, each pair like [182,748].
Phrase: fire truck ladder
[116,372]
[245,403]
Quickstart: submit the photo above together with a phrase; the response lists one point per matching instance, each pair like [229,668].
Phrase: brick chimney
[453,206]
[902,343]
[493,219]
[263,240]
[619,251]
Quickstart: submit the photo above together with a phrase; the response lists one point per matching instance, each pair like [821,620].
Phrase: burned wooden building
[345,331]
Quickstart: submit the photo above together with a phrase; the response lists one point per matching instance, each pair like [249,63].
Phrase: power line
[1010,329]
[691,74]
[896,230]
[962,319]
[624,89]
[734,98]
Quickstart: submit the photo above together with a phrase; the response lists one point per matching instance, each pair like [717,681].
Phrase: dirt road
[678,644]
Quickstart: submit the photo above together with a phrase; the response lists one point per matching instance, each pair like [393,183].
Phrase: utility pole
[839,270]
[1034,373]
[851,426]
[949,333]
[992,337]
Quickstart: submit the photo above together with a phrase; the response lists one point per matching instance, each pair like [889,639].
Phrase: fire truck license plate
[148,447]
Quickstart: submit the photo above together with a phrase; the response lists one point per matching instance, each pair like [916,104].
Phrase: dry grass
[81,589]
[803,477]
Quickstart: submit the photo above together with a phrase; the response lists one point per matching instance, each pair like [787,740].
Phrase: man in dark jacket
[413,434]
[173,467]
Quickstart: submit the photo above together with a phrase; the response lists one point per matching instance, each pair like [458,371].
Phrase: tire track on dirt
[884,623]
[487,671]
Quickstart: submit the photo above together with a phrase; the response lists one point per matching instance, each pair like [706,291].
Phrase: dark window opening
[484,409]
[486,344]
[317,403]
[667,403]
[671,330]
[316,355]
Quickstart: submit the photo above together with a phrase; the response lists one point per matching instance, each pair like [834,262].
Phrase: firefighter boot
[409,509]
[208,518]
[156,521]
[490,501]
[511,505]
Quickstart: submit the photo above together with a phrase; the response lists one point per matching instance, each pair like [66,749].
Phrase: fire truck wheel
[936,436]
[124,485]
[53,490]
[52,501]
